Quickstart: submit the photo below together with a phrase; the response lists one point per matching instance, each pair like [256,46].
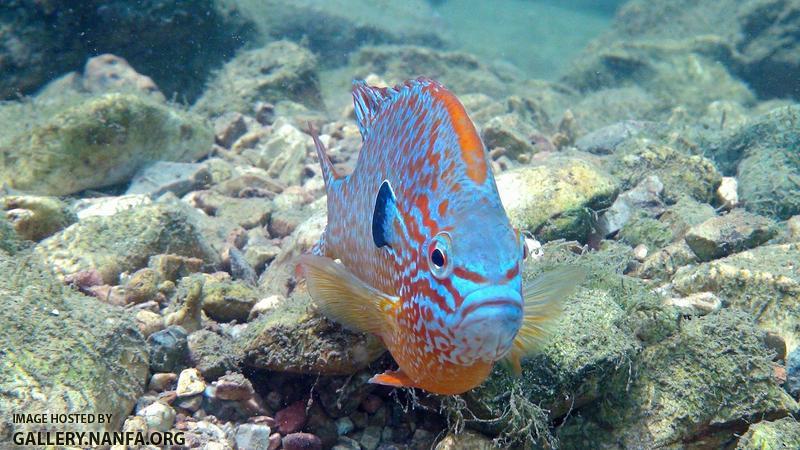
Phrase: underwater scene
[400,225]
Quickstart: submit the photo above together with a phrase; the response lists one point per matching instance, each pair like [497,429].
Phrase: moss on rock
[225,300]
[125,241]
[771,435]
[281,70]
[647,231]
[681,173]
[34,217]
[555,199]
[695,388]
[764,281]
[591,353]
[292,338]
[103,371]
[100,141]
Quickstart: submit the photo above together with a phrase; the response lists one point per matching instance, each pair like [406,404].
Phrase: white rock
[158,416]
[701,303]
[727,194]
[640,252]
[535,249]
[108,206]
[265,305]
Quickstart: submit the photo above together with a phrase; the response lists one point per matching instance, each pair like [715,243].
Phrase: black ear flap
[384,215]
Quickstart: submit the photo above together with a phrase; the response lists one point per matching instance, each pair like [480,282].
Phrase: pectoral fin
[543,306]
[342,297]
[395,378]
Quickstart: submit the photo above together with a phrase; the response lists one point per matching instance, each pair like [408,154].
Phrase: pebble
[640,252]
[240,267]
[168,349]
[148,322]
[158,416]
[371,437]
[727,195]
[265,113]
[793,373]
[301,441]
[190,383]
[191,404]
[252,436]
[228,128]
[266,304]
[161,382]
[274,441]
[371,403]
[234,386]
[793,229]
[292,418]
[161,177]
[700,303]
[736,231]
[344,426]
[776,343]
[345,443]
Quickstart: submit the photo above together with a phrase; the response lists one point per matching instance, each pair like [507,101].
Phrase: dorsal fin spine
[367,101]
[329,174]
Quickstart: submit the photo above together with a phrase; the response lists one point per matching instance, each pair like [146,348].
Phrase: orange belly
[429,373]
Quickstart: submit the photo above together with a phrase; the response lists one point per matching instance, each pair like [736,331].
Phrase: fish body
[428,259]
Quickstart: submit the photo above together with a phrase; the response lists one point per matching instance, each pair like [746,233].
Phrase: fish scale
[427,259]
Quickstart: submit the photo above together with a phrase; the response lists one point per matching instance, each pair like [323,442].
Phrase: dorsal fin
[368,100]
[328,172]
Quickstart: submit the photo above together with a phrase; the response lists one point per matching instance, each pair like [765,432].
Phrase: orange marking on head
[465,274]
[424,209]
[512,272]
[443,207]
[468,140]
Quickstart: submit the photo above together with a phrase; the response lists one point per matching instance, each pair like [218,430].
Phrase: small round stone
[301,441]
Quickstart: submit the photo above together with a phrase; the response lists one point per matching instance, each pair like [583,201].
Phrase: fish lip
[489,297]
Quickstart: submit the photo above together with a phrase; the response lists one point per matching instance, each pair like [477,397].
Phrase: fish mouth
[490,319]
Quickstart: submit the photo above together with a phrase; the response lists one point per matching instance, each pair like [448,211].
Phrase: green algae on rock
[290,338]
[681,173]
[99,142]
[9,241]
[460,72]
[280,70]
[125,241]
[34,217]
[694,388]
[734,232]
[764,281]
[644,230]
[555,199]
[225,300]
[776,129]
[104,371]
[771,435]
[591,353]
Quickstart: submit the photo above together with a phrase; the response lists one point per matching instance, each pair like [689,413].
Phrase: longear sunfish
[427,258]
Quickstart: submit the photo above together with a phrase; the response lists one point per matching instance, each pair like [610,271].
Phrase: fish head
[474,268]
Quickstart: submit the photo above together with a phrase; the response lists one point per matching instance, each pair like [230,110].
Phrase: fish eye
[439,256]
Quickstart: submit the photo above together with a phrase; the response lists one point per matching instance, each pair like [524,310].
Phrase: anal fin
[395,378]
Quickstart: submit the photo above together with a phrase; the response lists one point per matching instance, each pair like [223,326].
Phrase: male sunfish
[427,258]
